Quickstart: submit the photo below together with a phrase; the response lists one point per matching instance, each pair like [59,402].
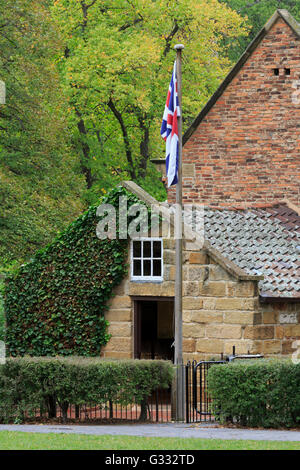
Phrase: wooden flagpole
[180,391]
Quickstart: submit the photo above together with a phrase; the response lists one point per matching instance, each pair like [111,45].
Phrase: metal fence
[199,404]
[156,409]
[198,399]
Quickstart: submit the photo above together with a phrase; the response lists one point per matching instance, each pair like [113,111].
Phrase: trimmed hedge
[257,393]
[55,304]
[27,384]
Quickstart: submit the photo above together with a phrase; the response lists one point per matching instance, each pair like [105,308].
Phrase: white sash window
[147,259]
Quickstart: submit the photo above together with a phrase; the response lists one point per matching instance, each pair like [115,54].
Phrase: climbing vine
[55,304]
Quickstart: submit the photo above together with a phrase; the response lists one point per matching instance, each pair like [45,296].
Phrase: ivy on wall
[55,304]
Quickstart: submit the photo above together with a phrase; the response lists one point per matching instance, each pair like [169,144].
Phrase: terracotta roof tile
[260,240]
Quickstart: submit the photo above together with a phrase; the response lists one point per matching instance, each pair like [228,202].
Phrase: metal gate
[198,400]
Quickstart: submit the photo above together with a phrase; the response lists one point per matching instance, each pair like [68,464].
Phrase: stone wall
[218,309]
[277,330]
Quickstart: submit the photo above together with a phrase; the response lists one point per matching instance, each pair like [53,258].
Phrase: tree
[39,188]
[257,13]
[116,66]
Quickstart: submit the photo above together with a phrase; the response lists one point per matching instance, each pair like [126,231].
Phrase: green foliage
[40,187]
[27,384]
[257,393]
[55,304]
[116,66]
[2,318]
[257,14]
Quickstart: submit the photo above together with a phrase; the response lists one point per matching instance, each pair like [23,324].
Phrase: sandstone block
[188,345]
[279,332]
[224,331]
[256,347]
[196,273]
[118,315]
[193,330]
[167,289]
[209,304]
[287,347]
[213,289]
[229,304]
[242,318]
[118,345]
[190,288]
[206,316]
[212,346]
[122,289]
[251,304]
[242,289]
[122,329]
[169,257]
[272,347]
[241,346]
[192,303]
[269,317]
[292,331]
[198,257]
[117,355]
[120,302]
[217,273]
[259,332]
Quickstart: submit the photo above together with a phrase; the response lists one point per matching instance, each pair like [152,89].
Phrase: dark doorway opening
[153,328]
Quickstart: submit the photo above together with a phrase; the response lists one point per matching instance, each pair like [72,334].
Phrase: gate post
[174,410]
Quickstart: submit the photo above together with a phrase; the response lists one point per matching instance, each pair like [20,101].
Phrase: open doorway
[153,329]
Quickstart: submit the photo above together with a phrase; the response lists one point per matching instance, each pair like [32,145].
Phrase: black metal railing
[156,409]
[198,399]
[199,403]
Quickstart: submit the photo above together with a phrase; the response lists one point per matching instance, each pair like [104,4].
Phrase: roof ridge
[289,20]
[249,206]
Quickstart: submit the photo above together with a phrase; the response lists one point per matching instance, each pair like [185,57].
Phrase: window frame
[143,278]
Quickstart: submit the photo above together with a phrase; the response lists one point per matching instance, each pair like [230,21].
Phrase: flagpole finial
[179,46]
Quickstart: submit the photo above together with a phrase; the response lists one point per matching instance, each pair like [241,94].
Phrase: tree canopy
[40,188]
[257,13]
[86,87]
[116,67]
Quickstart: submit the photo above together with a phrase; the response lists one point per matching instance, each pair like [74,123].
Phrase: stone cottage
[241,160]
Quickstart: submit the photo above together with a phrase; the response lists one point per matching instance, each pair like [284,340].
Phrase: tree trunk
[86,153]
[64,410]
[143,415]
[51,406]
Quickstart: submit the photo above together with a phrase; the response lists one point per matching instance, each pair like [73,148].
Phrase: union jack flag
[169,130]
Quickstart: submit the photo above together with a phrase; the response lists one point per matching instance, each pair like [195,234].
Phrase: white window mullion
[149,260]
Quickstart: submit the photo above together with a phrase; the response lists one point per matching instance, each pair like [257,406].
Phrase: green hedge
[55,304]
[27,384]
[257,393]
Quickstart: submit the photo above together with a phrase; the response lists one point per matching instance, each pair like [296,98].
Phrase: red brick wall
[247,149]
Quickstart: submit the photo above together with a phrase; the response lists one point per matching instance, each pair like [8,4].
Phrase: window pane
[156,267]
[137,252]
[156,249]
[147,268]
[137,271]
[147,250]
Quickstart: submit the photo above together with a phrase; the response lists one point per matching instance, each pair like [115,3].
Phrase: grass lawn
[13,440]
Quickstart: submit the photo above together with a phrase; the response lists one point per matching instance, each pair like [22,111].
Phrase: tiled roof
[260,241]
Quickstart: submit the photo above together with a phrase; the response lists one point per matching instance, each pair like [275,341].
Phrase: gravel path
[161,430]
